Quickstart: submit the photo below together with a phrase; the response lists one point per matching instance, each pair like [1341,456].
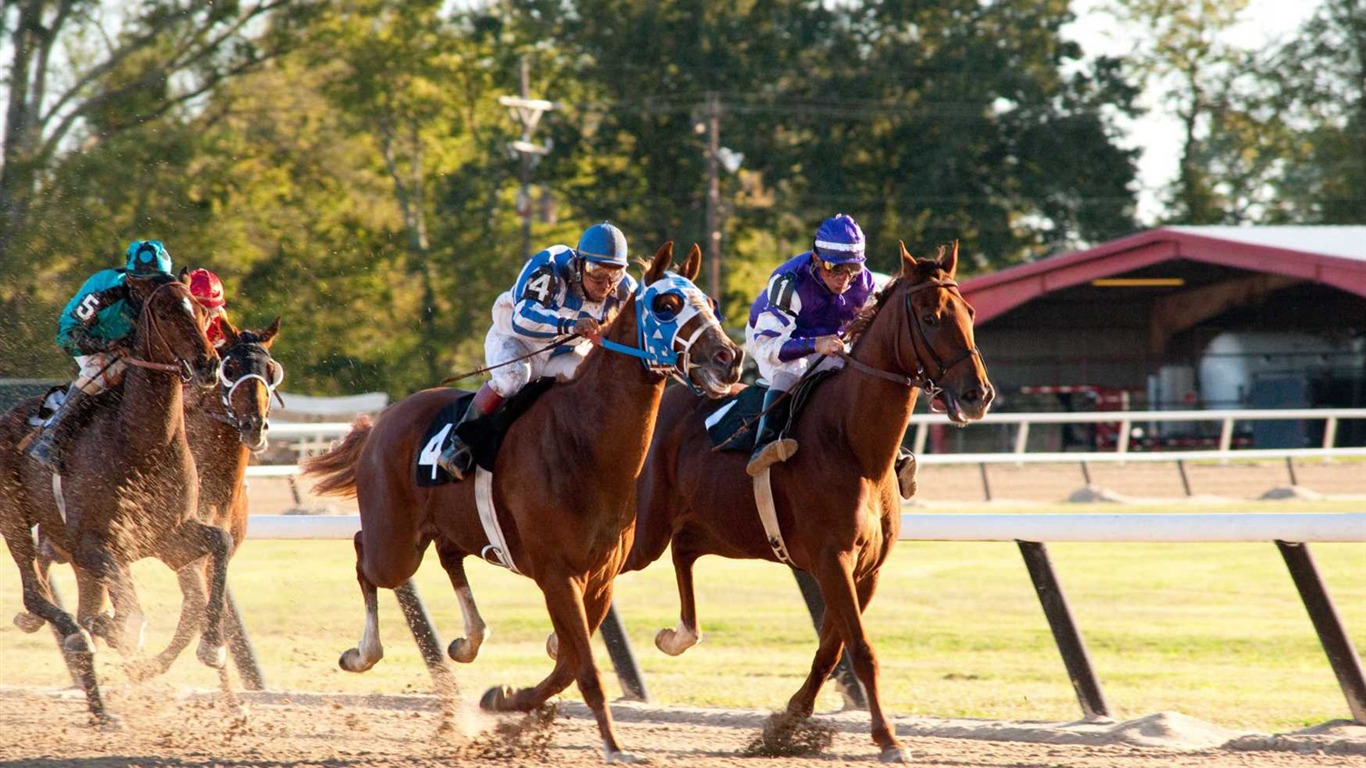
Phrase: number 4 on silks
[432,450]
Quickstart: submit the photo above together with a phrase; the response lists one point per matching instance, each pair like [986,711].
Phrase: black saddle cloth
[484,436]
[733,424]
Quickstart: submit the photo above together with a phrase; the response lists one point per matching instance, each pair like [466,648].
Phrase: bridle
[663,349]
[150,328]
[921,378]
[228,386]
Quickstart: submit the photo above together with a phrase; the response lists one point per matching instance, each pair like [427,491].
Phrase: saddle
[483,435]
[76,421]
[731,427]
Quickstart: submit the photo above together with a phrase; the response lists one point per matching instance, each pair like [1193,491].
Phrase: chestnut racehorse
[837,499]
[562,485]
[128,487]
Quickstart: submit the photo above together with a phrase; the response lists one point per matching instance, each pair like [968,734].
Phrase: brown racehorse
[129,487]
[563,483]
[224,426]
[837,503]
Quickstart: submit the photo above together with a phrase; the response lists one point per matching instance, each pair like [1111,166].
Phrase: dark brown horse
[225,425]
[128,487]
[836,500]
[562,486]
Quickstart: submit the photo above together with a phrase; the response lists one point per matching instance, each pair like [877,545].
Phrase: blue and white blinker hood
[661,350]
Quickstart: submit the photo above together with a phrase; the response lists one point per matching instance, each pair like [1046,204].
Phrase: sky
[1158,133]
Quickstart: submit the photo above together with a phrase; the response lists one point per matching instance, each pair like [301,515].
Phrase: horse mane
[861,323]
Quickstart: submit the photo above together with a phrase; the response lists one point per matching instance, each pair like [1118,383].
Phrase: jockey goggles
[846,269]
[597,271]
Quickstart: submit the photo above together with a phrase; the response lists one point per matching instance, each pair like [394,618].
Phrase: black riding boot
[43,449]
[768,450]
[458,458]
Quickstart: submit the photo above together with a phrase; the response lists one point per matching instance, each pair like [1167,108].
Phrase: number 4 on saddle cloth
[731,427]
[484,435]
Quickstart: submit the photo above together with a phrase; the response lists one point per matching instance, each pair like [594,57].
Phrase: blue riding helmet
[840,240]
[148,256]
[603,244]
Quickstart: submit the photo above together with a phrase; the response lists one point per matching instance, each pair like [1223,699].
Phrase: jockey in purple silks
[799,317]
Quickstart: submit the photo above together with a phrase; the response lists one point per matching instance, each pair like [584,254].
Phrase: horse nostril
[724,357]
[972,395]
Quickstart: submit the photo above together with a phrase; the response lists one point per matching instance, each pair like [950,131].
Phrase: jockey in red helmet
[207,289]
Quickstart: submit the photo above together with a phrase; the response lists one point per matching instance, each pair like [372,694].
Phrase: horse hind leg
[463,649]
[686,634]
[76,642]
[370,650]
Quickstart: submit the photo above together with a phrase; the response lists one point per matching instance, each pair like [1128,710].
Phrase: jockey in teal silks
[560,291]
[95,328]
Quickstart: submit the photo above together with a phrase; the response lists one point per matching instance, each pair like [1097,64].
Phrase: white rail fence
[317,435]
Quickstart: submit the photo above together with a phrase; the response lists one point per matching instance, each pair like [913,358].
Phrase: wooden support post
[1336,644]
[623,658]
[1065,634]
[239,645]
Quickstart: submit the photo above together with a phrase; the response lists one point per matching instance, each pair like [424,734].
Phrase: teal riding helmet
[147,257]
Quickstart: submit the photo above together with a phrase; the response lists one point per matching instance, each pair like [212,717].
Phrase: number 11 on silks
[430,451]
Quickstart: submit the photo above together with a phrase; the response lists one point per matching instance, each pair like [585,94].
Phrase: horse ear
[949,263]
[663,259]
[230,332]
[907,260]
[140,287]
[693,266]
[267,336]
[184,275]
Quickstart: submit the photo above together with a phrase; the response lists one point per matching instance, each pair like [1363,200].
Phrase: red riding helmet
[207,289]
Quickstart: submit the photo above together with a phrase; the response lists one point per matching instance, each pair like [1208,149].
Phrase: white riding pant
[99,372]
[509,379]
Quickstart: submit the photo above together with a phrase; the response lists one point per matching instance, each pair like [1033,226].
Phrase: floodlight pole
[527,112]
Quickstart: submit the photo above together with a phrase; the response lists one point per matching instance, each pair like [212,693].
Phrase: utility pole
[526,111]
[713,127]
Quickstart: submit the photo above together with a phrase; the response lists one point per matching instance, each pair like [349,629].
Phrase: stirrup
[769,454]
[44,451]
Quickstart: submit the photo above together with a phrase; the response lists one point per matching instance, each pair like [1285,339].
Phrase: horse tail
[336,469]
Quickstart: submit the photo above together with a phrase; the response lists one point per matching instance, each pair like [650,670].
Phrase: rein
[145,316]
[485,369]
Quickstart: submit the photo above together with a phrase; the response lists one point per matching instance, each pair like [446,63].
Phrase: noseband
[921,378]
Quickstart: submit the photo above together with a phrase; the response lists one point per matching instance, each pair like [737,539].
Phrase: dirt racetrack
[165,727]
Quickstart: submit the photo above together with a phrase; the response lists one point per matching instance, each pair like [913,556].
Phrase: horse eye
[667,306]
[931,319]
[232,367]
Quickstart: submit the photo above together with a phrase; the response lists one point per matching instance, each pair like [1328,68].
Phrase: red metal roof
[1318,255]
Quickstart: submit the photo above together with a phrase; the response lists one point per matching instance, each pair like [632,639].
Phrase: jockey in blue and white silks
[94,325]
[809,301]
[560,291]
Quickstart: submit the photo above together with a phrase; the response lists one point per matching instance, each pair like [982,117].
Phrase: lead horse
[128,485]
[562,484]
[836,500]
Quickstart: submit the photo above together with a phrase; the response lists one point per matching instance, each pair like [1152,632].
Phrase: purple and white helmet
[839,240]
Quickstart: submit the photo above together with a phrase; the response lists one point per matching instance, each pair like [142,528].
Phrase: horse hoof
[28,623]
[495,699]
[79,642]
[623,757]
[106,722]
[462,650]
[552,646]
[895,755]
[352,661]
[673,642]
[215,656]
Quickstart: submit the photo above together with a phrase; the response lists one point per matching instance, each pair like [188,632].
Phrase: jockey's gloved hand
[88,343]
[830,345]
[588,328]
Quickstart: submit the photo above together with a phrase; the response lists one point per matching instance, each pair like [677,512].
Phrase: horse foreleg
[27,621]
[463,649]
[370,650]
[686,634]
[843,606]
[559,592]
[99,575]
[192,606]
[803,702]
